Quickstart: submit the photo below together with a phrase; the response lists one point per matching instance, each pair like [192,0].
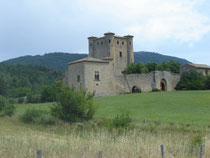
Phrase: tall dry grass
[18,140]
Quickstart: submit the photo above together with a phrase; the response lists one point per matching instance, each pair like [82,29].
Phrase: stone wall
[71,78]
[105,85]
[148,82]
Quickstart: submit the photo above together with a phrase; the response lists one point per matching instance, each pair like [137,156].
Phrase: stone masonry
[102,70]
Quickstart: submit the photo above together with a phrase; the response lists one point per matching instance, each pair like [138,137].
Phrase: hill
[20,80]
[146,57]
[59,60]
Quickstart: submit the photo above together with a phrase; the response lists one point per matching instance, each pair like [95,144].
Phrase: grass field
[177,107]
[176,110]
[171,107]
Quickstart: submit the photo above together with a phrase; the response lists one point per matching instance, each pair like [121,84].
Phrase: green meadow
[170,107]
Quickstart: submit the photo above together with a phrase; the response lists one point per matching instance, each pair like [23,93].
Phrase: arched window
[109,41]
[117,42]
[120,54]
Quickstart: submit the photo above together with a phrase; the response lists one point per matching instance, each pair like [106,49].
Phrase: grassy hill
[60,60]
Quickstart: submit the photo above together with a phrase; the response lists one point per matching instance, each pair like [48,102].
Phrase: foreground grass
[85,140]
[175,110]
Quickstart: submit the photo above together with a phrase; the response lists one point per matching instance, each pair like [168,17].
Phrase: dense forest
[60,60]
[19,80]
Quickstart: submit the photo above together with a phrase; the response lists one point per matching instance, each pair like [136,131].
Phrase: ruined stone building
[102,70]
[204,69]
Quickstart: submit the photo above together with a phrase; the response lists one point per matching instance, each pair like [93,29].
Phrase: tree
[48,93]
[6,106]
[174,66]
[138,68]
[151,66]
[191,80]
[74,105]
[207,82]
[3,86]
[164,66]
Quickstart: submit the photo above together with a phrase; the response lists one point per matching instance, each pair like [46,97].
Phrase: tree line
[19,80]
[140,68]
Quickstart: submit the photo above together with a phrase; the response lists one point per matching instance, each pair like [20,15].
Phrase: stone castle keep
[102,70]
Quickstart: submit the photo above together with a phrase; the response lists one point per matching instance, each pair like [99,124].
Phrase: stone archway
[163,85]
[135,89]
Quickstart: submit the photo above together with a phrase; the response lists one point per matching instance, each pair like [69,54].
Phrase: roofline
[197,65]
[75,62]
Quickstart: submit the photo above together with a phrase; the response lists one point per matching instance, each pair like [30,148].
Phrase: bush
[155,90]
[48,93]
[38,117]
[191,80]
[121,120]
[196,142]
[207,82]
[20,100]
[33,98]
[6,106]
[74,105]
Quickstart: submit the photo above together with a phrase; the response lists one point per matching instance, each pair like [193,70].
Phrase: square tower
[110,46]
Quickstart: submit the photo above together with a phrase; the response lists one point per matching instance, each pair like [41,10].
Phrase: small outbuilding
[204,69]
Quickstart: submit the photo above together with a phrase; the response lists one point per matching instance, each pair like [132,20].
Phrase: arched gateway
[135,89]
[163,85]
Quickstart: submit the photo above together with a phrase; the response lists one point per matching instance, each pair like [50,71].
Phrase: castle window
[109,41]
[122,43]
[78,78]
[97,76]
[117,42]
[130,42]
[98,43]
[101,43]
[120,54]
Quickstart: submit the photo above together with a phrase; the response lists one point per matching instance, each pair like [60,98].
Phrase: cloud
[156,20]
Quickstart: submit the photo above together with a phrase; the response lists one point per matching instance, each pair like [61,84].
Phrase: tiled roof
[88,59]
[199,65]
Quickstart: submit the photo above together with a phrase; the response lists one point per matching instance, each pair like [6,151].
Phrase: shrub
[191,80]
[37,116]
[207,82]
[155,90]
[74,105]
[33,98]
[31,116]
[48,93]
[121,120]
[196,142]
[20,100]
[6,106]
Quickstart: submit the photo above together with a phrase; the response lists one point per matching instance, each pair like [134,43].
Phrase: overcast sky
[172,27]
